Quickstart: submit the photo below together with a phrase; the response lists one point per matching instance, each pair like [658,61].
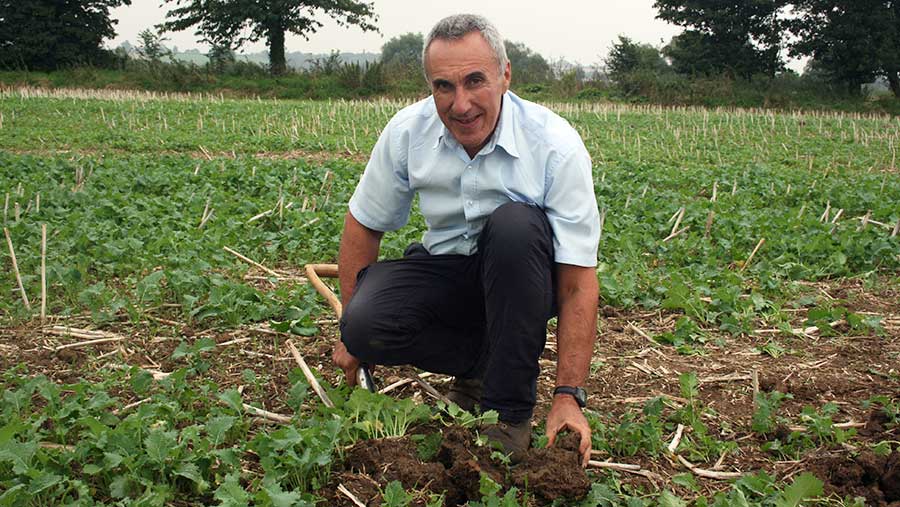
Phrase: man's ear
[507,76]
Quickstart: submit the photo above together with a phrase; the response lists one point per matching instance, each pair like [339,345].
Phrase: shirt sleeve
[571,207]
[383,198]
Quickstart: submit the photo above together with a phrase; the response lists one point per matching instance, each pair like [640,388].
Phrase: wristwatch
[576,392]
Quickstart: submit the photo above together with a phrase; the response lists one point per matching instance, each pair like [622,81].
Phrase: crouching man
[506,190]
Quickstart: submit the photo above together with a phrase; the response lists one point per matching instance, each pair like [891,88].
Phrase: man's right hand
[345,361]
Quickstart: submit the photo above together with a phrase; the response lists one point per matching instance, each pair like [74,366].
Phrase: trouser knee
[358,332]
[518,231]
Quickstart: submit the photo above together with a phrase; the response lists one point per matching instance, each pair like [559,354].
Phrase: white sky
[578,30]
[581,31]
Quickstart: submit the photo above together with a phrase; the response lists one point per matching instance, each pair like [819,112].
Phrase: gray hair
[458,26]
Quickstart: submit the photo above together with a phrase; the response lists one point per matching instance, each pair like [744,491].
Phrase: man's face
[467,88]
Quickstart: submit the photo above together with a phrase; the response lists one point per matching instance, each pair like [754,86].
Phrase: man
[506,190]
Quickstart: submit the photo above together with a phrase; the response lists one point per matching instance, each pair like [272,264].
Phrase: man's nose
[462,101]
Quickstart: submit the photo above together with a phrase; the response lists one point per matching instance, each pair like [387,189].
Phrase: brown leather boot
[465,392]
[515,439]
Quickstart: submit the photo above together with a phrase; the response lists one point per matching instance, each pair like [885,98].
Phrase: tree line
[849,42]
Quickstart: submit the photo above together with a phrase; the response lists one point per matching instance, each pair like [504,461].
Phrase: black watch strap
[576,392]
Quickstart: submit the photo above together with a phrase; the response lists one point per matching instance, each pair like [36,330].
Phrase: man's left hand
[566,414]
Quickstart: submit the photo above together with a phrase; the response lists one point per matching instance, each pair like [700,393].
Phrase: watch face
[578,393]
[581,397]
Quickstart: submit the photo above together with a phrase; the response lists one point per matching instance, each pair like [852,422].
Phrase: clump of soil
[553,473]
[875,478]
[455,471]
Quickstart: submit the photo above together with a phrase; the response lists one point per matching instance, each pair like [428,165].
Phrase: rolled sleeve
[571,208]
[383,197]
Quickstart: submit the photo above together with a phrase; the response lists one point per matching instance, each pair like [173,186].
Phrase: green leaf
[232,398]
[159,444]
[42,481]
[689,385]
[395,496]
[230,493]
[686,481]
[18,454]
[120,487]
[279,498]
[668,499]
[217,428]
[141,380]
[804,487]
[92,469]
[192,472]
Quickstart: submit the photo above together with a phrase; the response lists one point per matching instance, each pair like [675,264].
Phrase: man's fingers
[585,447]
[551,436]
[351,377]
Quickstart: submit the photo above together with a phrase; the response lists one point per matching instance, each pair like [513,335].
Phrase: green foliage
[463,418]
[741,39]
[627,59]
[818,430]
[686,338]
[851,42]
[374,415]
[48,34]
[403,54]
[395,496]
[890,408]
[765,416]
[237,22]
[490,495]
[761,490]
[527,65]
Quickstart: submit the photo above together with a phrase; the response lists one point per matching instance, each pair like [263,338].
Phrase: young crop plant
[818,429]
[765,416]
[374,415]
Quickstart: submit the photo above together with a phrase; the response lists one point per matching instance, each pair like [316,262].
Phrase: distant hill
[296,60]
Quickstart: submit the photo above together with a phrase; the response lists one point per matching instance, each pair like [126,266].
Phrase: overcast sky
[577,30]
[580,31]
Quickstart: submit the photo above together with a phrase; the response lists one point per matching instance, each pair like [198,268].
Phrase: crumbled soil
[455,471]
[875,478]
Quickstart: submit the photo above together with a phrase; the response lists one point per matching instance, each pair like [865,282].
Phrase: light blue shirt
[534,157]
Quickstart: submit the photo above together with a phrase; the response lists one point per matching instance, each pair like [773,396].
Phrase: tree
[404,52]
[236,22]
[851,41]
[49,34]
[742,37]
[151,46]
[626,57]
[527,66]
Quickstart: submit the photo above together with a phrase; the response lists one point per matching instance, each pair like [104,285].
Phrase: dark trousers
[478,316]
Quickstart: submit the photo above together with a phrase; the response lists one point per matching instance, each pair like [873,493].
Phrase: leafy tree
[743,37]
[236,22]
[221,56]
[851,41]
[626,57]
[151,46]
[403,51]
[528,66]
[48,34]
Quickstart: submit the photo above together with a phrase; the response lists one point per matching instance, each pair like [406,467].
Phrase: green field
[717,224]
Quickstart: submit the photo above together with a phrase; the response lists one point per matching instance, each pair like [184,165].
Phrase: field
[748,346]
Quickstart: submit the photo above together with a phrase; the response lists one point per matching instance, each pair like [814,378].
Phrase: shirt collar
[504,135]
